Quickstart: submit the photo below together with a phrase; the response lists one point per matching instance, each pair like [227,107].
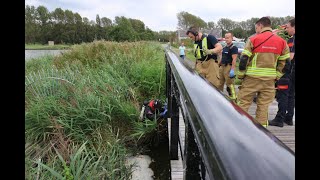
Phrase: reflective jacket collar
[202,37]
[266,29]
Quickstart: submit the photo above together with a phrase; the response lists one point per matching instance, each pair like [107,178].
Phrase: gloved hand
[231,74]
[163,113]
[210,51]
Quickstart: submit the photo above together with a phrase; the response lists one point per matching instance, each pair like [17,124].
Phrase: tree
[70,27]
[58,25]
[106,22]
[137,25]
[123,31]
[186,20]
[239,33]
[99,30]
[164,36]
[44,18]
[79,33]
[211,25]
[226,25]
[58,15]
[148,34]
[43,15]
[251,24]
[32,29]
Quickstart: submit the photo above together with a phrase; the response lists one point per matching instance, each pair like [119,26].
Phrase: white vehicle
[239,44]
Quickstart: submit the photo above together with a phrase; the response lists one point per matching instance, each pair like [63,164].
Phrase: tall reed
[87,102]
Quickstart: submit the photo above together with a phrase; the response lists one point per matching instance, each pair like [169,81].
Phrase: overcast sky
[161,15]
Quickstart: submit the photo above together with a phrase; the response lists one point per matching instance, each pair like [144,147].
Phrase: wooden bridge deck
[286,134]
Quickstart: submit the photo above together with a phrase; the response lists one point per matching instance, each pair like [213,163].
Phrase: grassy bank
[81,109]
[46,47]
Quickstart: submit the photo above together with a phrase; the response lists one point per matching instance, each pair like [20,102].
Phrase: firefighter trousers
[265,91]
[282,95]
[291,98]
[224,72]
[210,70]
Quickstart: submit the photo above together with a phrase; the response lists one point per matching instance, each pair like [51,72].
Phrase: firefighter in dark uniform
[286,86]
[227,66]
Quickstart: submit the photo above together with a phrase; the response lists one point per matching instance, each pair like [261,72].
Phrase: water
[161,161]
[159,153]
[30,54]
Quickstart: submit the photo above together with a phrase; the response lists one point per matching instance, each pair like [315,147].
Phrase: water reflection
[30,54]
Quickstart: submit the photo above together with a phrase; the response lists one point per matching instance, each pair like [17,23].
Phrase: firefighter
[227,66]
[261,64]
[206,49]
[153,110]
[286,86]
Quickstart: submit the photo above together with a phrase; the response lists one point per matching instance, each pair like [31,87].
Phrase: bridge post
[192,157]
[173,111]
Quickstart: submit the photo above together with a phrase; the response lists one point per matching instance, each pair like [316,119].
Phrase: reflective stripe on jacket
[197,51]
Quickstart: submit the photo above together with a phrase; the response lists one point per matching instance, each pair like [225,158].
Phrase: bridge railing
[221,141]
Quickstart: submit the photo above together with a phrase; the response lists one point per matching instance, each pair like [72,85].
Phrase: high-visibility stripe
[196,48]
[246,52]
[267,123]
[233,93]
[241,73]
[279,74]
[204,46]
[197,51]
[284,57]
[261,71]
[254,60]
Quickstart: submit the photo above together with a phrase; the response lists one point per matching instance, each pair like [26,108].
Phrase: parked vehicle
[239,44]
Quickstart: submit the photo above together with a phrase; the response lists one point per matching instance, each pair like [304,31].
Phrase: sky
[159,15]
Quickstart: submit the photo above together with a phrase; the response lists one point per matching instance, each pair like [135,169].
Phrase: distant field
[47,47]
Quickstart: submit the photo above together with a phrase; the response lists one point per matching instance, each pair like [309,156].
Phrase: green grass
[46,47]
[82,108]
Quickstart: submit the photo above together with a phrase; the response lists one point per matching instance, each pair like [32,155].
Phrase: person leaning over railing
[206,48]
[261,64]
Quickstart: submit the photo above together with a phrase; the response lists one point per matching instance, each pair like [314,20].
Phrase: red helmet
[155,104]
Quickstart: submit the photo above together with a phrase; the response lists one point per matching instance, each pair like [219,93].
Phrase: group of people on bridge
[266,69]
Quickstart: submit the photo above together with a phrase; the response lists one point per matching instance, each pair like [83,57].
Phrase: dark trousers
[291,99]
[182,56]
[286,99]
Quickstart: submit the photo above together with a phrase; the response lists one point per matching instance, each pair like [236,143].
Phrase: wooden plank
[177,169]
[286,134]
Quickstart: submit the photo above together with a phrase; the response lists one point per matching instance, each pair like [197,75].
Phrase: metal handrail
[232,144]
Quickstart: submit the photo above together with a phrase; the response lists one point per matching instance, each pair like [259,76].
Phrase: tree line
[67,27]
[242,29]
